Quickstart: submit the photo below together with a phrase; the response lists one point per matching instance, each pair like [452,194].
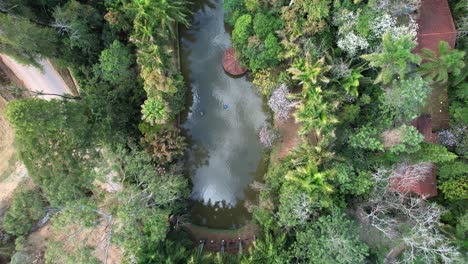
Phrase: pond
[223,122]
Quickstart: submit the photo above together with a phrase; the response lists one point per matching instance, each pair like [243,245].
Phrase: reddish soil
[288,130]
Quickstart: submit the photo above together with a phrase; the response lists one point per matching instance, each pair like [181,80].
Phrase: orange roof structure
[231,64]
[435,24]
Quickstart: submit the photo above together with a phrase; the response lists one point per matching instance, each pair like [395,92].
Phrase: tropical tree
[55,142]
[406,97]
[268,250]
[115,63]
[26,41]
[315,113]
[314,182]
[395,59]
[437,67]
[330,239]
[157,17]
[309,73]
[27,207]
[166,145]
[156,111]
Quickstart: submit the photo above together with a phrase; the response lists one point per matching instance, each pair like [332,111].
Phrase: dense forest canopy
[345,70]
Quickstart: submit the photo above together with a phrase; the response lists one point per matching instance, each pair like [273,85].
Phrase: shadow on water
[222,122]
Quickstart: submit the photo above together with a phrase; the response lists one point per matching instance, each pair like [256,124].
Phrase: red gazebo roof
[231,64]
[435,24]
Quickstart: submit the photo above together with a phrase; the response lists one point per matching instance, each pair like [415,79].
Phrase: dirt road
[47,81]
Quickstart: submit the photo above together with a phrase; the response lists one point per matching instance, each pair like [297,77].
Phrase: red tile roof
[435,24]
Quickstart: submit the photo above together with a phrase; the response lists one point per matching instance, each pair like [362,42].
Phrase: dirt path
[46,81]
[290,138]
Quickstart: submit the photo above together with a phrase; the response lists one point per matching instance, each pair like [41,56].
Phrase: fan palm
[436,67]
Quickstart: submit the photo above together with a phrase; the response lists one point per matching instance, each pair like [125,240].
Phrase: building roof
[425,186]
[424,125]
[231,64]
[435,24]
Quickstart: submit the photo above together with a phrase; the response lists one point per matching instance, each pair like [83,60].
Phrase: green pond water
[223,121]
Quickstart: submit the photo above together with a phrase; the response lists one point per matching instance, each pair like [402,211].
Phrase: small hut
[435,24]
[231,64]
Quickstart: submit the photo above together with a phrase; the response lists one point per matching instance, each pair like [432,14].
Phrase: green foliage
[115,64]
[242,31]
[263,80]
[166,145]
[268,56]
[352,182]
[55,254]
[233,9]
[437,67]
[395,59]
[433,153]
[349,113]
[452,180]
[156,18]
[265,24]
[55,142]
[156,111]
[315,113]
[331,239]
[314,182]
[309,72]
[140,226]
[351,83]
[410,140]
[80,23]
[268,249]
[406,97]
[27,207]
[367,138]
[25,41]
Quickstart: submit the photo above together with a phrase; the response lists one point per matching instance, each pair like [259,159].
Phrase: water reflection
[223,122]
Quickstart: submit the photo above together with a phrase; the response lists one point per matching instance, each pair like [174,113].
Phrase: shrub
[156,111]
[26,209]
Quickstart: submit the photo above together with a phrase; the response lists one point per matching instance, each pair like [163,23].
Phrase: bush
[115,64]
[453,182]
[26,209]
[265,24]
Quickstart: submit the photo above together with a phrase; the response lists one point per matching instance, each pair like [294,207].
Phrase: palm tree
[310,73]
[311,180]
[315,113]
[395,59]
[267,250]
[158,17]
[436,67]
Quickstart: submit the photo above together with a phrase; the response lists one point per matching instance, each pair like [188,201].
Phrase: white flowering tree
[280,103]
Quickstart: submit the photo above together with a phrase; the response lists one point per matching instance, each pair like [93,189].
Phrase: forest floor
[213,237]
[12,172]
